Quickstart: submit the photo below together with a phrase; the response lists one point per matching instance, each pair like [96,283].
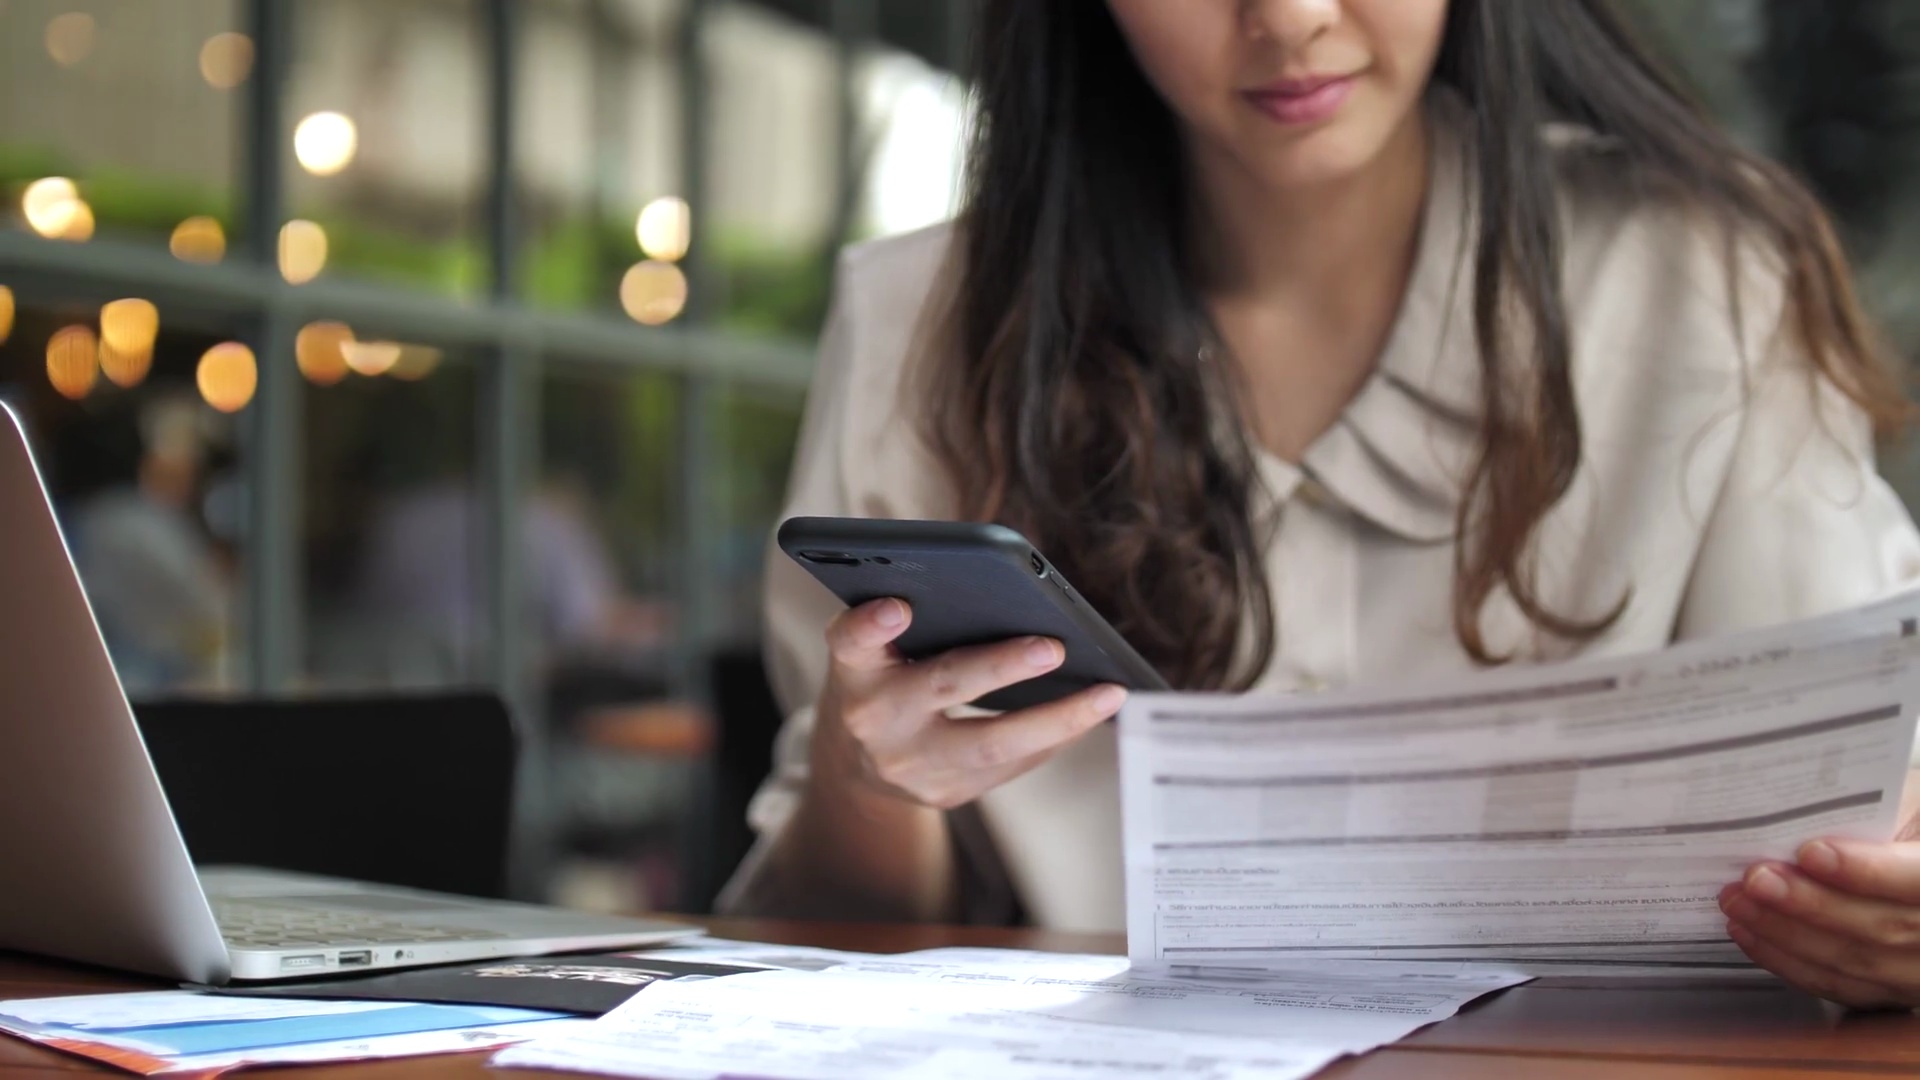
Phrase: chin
[1323,158]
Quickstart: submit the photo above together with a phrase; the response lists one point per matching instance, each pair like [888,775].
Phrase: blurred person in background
[159,587]
[419,579]
[1322,342]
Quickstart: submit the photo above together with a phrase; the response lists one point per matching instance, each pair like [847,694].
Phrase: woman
[1320,342]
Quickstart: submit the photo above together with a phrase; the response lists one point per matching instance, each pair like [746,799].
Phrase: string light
[228,376]
[226,60]
[73,365]
[198,240]
[303,251]
[321,351]
[324,143]
[654,293]
[128,329]
[665,229]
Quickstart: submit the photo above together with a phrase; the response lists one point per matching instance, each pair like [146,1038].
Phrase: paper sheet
[784,1025]
[1012,1015]
[1585,813]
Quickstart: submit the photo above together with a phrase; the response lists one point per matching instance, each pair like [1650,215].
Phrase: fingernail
[1739,934]
[1820,858]
[1042,653]
[1727,894]
[1109,699]
[892,615]
[1767,884]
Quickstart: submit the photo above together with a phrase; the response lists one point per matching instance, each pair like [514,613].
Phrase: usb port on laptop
[357,958]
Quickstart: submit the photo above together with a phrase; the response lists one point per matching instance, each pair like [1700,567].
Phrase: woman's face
[1299,92]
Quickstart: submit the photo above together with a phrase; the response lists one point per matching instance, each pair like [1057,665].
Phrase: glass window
[144,475]
[395,581]
[127,112]
[603,583]
[386,125]
[603,526]
[599,108]
[757,429]
[777,204]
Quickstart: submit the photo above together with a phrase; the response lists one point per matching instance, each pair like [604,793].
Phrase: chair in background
[413,791]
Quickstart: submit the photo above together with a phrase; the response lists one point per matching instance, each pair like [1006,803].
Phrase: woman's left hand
[1843,922]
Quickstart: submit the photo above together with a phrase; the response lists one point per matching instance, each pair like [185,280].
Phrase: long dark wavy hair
[1070,406]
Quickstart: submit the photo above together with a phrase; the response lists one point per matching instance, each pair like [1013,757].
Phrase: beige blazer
[1719,485]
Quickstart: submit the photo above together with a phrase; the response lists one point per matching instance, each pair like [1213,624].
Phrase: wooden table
[1552,1028]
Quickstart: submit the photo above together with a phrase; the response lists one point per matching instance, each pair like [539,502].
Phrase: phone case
[968,584]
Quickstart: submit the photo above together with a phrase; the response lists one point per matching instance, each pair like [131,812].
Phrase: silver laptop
[92,866]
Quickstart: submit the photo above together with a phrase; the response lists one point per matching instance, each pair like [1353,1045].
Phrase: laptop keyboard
[262,924]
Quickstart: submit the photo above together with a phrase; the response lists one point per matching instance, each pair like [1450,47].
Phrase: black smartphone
[969,584]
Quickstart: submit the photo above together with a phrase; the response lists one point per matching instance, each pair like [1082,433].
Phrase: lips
[1298,102]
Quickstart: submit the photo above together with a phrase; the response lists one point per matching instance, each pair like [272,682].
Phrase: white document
[1586,813]
[154,1008]
[786,1025]
[1350,1006]
[1011,1015]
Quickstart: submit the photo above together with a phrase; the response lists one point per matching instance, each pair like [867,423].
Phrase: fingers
[1813,978]
[966,675]
[861,639]
[1015,740]
[1884,871]
[1787,893]
[1852,952]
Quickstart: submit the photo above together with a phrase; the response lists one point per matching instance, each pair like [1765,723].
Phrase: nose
[1291,23]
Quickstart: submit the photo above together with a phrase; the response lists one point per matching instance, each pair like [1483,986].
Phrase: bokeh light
[654,293]
[73,364]
[321,351]
[372,358]
[70,38]
[303,251]
[128,329]
[416,362]
[226,60]
[49,205]
[324,143]
[198,240]
[665,229]
[228,376]
[79,224]
[6,314]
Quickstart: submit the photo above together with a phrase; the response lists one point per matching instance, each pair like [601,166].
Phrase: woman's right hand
[883,721]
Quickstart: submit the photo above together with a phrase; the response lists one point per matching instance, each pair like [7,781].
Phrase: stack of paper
[182,1032]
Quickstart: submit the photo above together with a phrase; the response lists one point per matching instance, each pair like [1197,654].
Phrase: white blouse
[1724,486]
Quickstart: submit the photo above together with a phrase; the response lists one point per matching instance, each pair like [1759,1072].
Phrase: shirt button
[1313,493]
